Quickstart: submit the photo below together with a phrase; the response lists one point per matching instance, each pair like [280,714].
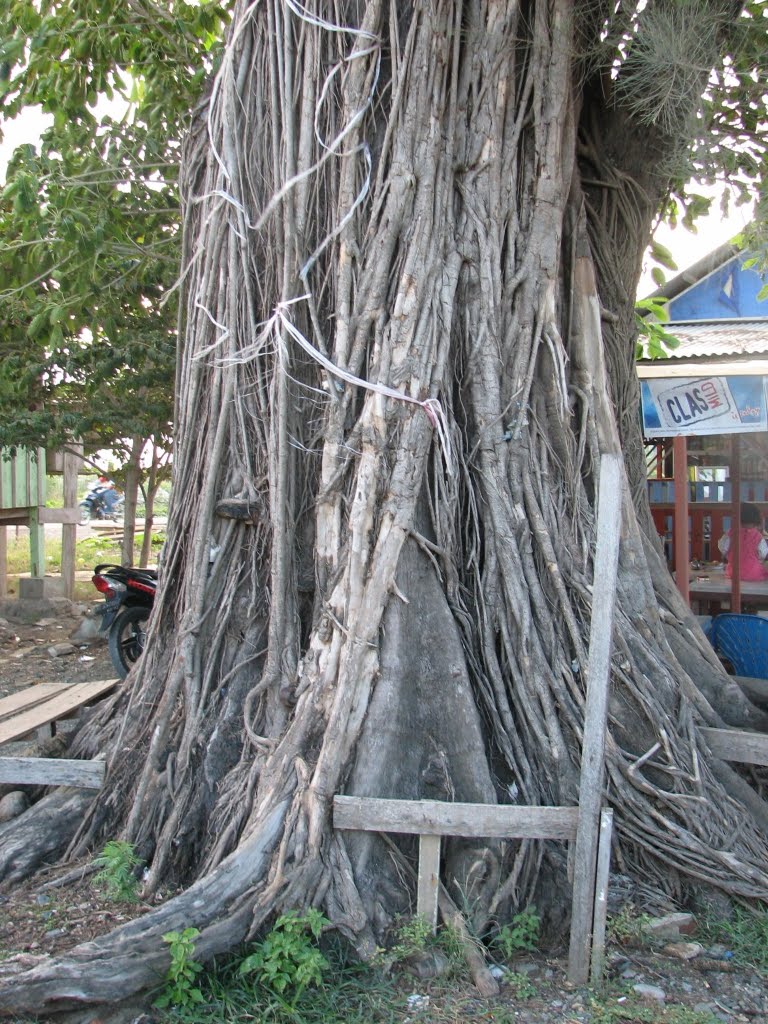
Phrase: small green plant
[627,926]
[631,1012]
[522,933]
[180,988]
[745,935]
[413,936]
[520,985]
[288,960]
[117,877]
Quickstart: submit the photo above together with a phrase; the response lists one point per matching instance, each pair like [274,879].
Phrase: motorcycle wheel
[126,638]
[85,512]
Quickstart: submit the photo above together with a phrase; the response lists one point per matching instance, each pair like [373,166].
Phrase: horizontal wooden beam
[14,517]
[737,745]
[438,818]
[52,771]
[58,515]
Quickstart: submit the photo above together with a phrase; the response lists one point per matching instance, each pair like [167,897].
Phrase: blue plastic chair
[742,640]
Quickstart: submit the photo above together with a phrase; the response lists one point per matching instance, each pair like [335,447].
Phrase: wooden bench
[37,709]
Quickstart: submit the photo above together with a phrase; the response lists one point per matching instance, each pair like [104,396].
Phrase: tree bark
[412,243]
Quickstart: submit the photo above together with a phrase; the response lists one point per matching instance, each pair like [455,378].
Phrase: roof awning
[713,348]
[656,368]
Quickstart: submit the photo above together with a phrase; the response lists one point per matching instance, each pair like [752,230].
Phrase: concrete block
[36,588]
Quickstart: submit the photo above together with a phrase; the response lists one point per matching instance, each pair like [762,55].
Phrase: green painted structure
[22,503]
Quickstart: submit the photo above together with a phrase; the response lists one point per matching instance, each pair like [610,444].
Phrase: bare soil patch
[28,632]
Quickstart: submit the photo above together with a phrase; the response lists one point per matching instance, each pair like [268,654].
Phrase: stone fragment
[650,992]
[429,964]
[684,950]
[670,926]
[60,650]
[13,804]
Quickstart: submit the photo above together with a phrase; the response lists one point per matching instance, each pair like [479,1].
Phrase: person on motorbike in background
[105,488]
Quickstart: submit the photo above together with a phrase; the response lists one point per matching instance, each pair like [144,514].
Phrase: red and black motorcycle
[129,596]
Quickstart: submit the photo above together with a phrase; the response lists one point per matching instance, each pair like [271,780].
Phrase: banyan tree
[413,233]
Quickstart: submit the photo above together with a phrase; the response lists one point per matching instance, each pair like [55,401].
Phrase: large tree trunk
[412,250]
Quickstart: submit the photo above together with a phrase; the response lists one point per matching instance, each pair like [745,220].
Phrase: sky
[22,129]
[688,248]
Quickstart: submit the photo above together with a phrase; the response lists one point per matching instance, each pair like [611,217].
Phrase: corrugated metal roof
[718,338]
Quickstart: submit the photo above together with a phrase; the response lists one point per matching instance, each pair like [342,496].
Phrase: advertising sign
[704,405]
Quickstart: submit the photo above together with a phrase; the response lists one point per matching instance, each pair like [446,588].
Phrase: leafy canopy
[89,219]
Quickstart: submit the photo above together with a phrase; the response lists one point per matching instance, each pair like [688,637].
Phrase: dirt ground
[649,982]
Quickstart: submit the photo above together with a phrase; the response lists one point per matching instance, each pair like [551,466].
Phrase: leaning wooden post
[595,717]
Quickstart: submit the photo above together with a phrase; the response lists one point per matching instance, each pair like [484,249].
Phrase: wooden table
[712,585]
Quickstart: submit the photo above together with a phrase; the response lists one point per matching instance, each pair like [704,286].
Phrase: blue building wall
[728,293]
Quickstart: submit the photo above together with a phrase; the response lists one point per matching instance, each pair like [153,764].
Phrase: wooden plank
[69,516]
[3,559]
[755,690]
[19,490]
[737,745]
[429,879]
[595,716]
[438,818]
[75,696]
[53,771]
[28,698]
[14,517]
[70,465]
[40,470]
[6,471]
[36,545]
[602,876]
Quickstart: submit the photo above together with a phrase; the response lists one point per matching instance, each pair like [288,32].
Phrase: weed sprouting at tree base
[118,871]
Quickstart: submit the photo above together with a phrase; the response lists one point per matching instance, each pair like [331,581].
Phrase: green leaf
[39,323]
[662,255]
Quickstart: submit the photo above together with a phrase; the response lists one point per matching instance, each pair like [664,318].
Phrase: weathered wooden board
[438,818]
[738,745]
[52,771]
[58,706]
[28,698]
[59,515]
[602,880]
[591,782]
[429,879]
